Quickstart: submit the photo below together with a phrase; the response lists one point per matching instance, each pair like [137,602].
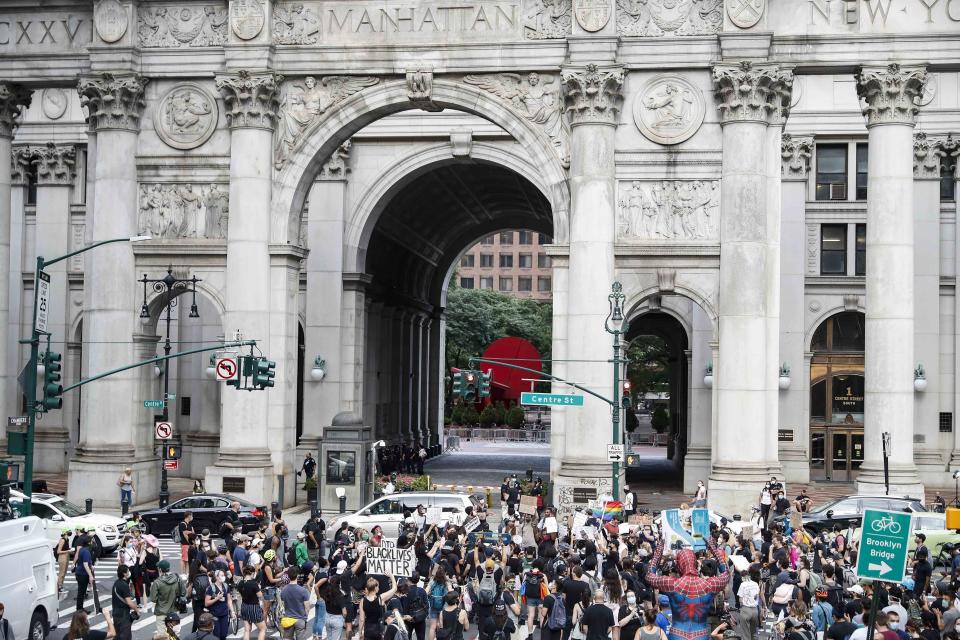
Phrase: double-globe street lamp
[167,286]
[614,325]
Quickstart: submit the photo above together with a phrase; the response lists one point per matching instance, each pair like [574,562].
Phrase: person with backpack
[498,626]
[437,590]
[554,614]
[165,592]
[183,533]
[415,606]
[534,591]
[198,592]
[453,620]
[489,577]
[298,553]
[821,611]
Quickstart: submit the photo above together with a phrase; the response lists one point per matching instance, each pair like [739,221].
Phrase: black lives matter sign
[390,561]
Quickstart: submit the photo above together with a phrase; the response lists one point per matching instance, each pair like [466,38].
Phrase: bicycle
[235,623]
[885,524]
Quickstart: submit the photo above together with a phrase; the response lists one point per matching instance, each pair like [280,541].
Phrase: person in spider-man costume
[691,595]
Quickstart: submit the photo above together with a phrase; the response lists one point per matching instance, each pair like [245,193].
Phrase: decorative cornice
[926,157]
[746,91]
[592,95]
[336,168]
[795,152]
[14,98]
[891,93]
[21,159]
[55,164]
[113,101]
[252,100]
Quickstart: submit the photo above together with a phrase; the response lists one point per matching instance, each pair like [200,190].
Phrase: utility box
[346,462]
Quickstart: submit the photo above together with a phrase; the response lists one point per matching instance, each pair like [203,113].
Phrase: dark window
[833,249]
[341,467]
[524,283]
[818,401]
[185,406]
[525,260]
[506,260]
[543,261]
[506,284]
[543,283]
[525,237]
[506,237]
[831,172]
[466,283]
[31,183]
[487,240]
[543,238]
[467,261]
[948,182]
[486,260]
[861,257]
[946,422]
[861,171]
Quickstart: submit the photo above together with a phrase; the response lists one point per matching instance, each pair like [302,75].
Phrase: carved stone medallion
[745,13]
[929,90]
[110,19]
[592,15]
[186,116]
[53,103]
[668,109]
[246,18]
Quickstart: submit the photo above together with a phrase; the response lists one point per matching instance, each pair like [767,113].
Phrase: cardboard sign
[625,529]
[641,519]
[471,524]
[390,560]
[528,505]
[747,533]
[579,522]
[434,516]
[691,528]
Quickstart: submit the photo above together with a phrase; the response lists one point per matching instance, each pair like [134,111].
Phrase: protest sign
[390,560]
[579,522]
[471,524]
[434,516]
[528,505]
[690,528]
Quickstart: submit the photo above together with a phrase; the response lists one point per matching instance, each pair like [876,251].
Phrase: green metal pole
[31,393]
[616,410]
[473,361]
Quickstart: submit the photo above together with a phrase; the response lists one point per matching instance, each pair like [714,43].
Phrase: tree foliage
[660,420]
[648,365]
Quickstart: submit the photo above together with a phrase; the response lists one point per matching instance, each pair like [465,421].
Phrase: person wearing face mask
[630,617]
[894,624]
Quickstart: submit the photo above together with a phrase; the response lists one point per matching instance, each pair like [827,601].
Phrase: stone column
[435,387]
[371,386]
[750,98]
[385,382]
[251,105]
[794,402]
[13,98]
[403,373]
[593,96]
[890,93]
[423,426]
[353,322]
[111,408]
[696,465]
[559,261]
[55,175]
[926,225]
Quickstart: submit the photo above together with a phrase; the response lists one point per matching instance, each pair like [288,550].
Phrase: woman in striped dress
[251,611]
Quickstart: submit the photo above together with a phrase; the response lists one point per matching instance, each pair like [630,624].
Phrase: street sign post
[226,368]
[171,465]
[164,430]
[551,399]
[615,453]
[884,539]
[43,302]
[16,421]
[153,404]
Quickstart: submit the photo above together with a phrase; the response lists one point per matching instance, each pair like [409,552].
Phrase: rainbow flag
[609,511]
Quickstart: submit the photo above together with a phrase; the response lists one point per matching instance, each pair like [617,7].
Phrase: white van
[28,578]
[387,512]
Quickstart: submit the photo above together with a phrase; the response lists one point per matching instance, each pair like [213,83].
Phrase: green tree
[456,416]
[515,417]
[660,420]
[470,416]
[488,416]
[648,365]
[500,412]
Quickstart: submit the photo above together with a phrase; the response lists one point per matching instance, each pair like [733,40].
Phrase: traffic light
[243,364]
[485,379]
[9,472]
[457,389]
[625,398]
[470,379]
[52,388]
[263,373]
[172,452]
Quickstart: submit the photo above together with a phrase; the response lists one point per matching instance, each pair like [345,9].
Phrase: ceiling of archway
[436,216]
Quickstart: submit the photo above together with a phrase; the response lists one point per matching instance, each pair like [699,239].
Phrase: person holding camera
[125,609]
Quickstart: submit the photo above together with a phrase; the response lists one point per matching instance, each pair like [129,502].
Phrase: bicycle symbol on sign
[886,523]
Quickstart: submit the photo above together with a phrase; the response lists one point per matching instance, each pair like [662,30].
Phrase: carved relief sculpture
[536,97]
[547,19]
[745,13]
[13,99]
[653,18]
[668,210]
[891,93]
[592,15]
[246,18]
[927,153]
[182,26]
[55,164]
[110,20]
[336,167]
[251,100]
[21,159]
[950,148]
[795,152]
[113,101]
[669,110]
[295,24]
[53,103]
[183,211]
[592,94]
[420,88]
[186,116]
[748,91]
[304,103]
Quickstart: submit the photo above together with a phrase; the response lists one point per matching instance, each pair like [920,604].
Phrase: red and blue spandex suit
[691,595]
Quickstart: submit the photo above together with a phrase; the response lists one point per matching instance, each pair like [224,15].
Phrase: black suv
[847,511]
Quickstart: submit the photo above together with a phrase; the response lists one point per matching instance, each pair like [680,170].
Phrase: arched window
[836,370]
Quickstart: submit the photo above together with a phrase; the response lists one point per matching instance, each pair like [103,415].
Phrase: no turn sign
[164,430]
[226,367]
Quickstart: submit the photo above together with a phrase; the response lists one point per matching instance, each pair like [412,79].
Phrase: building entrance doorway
[836,453]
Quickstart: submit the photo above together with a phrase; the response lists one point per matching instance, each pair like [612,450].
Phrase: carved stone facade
[113,101]
[21,161]
[795,153]
[547,19]
[668,210]
[926,157]
[593,95]
[14,98]
[295,24]
[182,26]
[170,211]
[337,167]
[251,100]
[304,102]
[186,116]
[891,93]
[749,91]
[56,164]
[420,88]
[654,18]
[745,13]
[669,109]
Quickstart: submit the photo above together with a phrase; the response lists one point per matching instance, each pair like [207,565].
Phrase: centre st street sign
[153,404]
[551,399]
[884,539]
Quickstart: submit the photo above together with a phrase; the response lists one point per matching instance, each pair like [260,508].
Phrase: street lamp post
[30,377]
[166,286]
[614,325]
[886,461]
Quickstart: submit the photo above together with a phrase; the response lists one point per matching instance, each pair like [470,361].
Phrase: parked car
[28,578]
[60,513]
[209,512]
[387,512]
[847,512]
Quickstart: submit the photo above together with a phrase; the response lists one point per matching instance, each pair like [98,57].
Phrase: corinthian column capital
[21,159]
[252,100]
[13,99]
[113,101]
[891,93]
[593,95]
[795,152]
[927,154]
[55,164]
[746,91]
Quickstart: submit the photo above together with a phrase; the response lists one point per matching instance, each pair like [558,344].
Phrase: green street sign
[884,538]
[551,399]
[153,404]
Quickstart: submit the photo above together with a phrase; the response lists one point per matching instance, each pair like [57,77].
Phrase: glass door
[856,453]
[818,443]
[839,456]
